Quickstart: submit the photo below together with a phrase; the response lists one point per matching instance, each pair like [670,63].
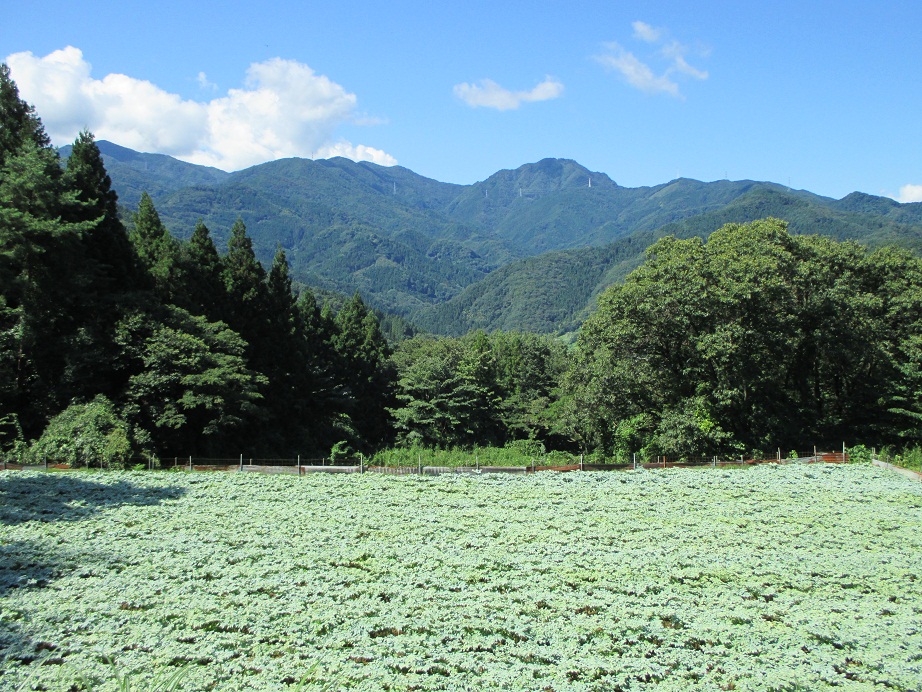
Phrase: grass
[908,458]
[519,455]
[74,679]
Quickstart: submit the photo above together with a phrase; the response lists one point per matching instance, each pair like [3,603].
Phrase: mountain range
[525,249]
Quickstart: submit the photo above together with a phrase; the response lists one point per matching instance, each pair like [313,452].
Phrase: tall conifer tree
[40,266]
[203,291]
[107,244]
[361,356]
[245,282]
[157,250]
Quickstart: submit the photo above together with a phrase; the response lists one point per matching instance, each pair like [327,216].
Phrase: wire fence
[557,461]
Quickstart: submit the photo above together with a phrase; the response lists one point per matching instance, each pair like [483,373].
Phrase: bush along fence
[426,464]
[908,464]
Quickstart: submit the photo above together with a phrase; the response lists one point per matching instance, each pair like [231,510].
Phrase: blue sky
[824,96]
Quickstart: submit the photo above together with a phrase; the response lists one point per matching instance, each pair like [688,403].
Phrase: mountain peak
[117,152]
[546,175]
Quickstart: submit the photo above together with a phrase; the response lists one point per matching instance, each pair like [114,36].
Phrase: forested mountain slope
[155,174]
[528,248]
[554,292]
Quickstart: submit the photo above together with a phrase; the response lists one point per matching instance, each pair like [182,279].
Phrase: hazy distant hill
[555,291]
[550,293]
[528,248]
[133,173]
[550,205]
[346,227]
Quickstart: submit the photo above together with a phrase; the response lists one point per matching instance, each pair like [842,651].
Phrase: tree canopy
[754,339]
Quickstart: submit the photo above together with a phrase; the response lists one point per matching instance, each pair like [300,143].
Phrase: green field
[766,578]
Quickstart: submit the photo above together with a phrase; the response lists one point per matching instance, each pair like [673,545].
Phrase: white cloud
[679,65]
[356,152]
[645,32]
[910,193]
[488,94]
[284,110]
[204,82]
[639,74]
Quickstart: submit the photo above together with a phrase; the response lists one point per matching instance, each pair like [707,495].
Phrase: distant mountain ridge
[528,248]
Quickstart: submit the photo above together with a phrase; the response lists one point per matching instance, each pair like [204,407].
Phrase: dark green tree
[188,390]
[280,298]
[107,244]
[108,269]
[18,122]
[477,369]
[157,250]
[362,372]
[245,283]
[296,420]
[203,291]
[318,419]
[41,268]
[756,338]
[437,397]
[529,370]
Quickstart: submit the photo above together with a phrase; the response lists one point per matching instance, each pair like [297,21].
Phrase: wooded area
[117,339]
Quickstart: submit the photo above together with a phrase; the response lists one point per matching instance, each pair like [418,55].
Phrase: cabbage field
[799,577]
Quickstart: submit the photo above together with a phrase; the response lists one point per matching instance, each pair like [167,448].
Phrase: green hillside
[553,293]
[528,248]
[550,205]
[547,294]
[134,173]
[807,215]
[346,227]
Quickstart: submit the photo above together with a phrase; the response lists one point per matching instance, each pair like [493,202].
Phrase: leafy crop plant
[770,578]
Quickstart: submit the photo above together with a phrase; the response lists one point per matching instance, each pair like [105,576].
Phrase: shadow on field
[67,497]
[27,564]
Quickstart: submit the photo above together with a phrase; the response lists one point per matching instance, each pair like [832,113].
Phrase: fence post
[580,462]
[46,462]
[190,462]
[419,464]
[635,462]
[241,462]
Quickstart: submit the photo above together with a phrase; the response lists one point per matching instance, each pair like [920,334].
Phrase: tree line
[117,339]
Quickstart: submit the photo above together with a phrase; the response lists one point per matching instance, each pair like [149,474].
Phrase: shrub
[859,454]
[912,458]
[90,434]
